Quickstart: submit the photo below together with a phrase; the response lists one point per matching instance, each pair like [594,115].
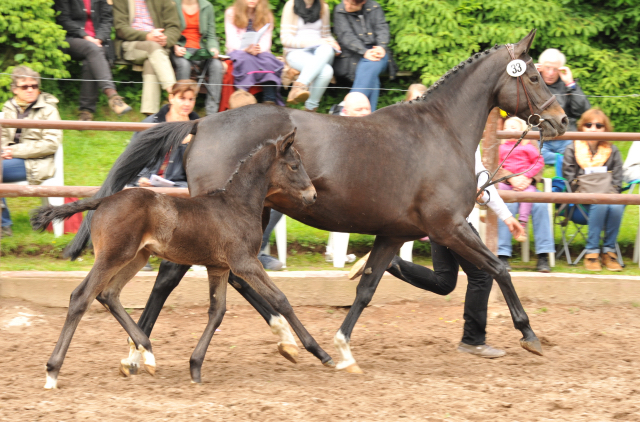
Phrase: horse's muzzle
[309,195]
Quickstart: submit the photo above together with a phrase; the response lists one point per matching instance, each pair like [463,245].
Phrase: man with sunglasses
[559,79]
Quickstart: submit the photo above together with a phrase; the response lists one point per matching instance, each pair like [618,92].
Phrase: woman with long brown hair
[253,64]
[597,158]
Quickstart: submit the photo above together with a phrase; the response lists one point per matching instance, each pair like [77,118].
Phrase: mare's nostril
[315,196]
[565,121]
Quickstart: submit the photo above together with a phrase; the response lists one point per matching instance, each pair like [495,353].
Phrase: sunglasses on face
[597,125]
[25,87]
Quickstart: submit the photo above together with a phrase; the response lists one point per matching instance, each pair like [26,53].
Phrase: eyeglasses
[25,87]
[598,125]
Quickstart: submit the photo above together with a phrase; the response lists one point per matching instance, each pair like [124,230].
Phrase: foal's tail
[42,216]
[145,149]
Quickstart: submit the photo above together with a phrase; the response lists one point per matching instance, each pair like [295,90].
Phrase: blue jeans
[542,233]
[607,217]
[12,171]
[368,79]
[314,64]
[549,150]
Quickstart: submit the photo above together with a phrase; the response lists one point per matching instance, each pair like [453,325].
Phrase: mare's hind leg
[110,299]
[80,300]
[384,249]
[246,266]
[217,308]
[279,326]
[460,238]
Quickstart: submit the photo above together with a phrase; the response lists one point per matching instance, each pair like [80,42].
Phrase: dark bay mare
[401,173]
[129,226]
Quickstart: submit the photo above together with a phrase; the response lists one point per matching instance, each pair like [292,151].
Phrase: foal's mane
[239,166]
[449,73]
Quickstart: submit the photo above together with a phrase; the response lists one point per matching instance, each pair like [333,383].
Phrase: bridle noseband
[530,125]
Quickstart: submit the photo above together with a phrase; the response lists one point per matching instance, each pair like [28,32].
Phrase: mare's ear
[525,43]
[287,140]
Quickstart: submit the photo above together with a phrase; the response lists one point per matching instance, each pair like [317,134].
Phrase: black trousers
[95,67]
[442,281]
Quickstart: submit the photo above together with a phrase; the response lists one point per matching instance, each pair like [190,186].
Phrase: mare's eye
[534,79]
[294,167]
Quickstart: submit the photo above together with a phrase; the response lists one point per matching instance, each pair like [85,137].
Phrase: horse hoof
[330,363]
[128,368]
[151,369]
[289,351]
[533,346]
[354,369]
[52,383]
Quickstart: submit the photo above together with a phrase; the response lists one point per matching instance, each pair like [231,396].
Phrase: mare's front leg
[384,249]
[460,238]
[217,309]
[169,276]
[249,268]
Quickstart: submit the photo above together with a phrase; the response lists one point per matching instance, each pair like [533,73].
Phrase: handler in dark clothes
[443,278]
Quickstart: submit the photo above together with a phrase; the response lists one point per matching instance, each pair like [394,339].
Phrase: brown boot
[299,93]
[85,116]
[591,262]
[118,105]
[610,261]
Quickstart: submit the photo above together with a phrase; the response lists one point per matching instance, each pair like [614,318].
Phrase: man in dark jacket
[559,79]
[88,26]
[363,35]
[146,30]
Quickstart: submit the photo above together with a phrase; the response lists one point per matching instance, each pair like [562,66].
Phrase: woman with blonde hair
[253,64]
[597,160]
[310,48]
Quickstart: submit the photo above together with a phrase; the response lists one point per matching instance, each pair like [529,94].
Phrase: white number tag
[516,68]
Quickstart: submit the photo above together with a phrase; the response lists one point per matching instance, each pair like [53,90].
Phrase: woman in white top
[305,33]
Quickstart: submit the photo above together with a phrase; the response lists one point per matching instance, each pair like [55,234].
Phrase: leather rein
[530,125]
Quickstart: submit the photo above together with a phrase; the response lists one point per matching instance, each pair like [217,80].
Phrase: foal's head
[287,174]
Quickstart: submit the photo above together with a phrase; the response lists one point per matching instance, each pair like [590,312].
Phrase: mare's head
[512,98]
[287,174]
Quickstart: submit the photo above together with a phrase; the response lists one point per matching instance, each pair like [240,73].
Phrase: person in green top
[198,26]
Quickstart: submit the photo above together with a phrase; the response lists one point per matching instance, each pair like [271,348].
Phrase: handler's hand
[144,182]
[514,227]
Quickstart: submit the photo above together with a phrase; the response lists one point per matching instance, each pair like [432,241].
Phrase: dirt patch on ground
[591,370]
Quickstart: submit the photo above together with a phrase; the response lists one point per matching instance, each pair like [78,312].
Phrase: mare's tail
[42,216]
[146,149]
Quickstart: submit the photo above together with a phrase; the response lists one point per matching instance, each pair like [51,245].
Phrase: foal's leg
[80,300]
[110,299]
[217,309]
[384,249]
[279,326]
[250,269]
[460,238]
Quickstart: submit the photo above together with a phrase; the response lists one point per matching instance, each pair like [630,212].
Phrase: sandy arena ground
[591,370]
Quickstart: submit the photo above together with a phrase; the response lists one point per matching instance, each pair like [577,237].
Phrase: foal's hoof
[354,369]
[534,346]
[52,383]
[128,368]
[289,351]
[330,363]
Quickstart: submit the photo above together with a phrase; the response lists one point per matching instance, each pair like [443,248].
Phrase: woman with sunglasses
[27,154]
[597,157]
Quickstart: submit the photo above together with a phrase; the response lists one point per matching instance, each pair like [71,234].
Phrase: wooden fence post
[490,157]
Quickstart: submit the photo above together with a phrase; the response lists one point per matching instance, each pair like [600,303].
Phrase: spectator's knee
[327,72]
[325,50]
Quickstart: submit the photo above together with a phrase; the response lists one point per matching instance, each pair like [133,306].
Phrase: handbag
[595,183]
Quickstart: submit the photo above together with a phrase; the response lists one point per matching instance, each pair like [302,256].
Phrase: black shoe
[543,263]
[505,261]
[270,263]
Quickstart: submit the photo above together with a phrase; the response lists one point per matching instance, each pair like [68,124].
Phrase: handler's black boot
[543,263]
[505,261]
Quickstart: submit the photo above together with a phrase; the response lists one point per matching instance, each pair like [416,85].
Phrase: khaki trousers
[156,71]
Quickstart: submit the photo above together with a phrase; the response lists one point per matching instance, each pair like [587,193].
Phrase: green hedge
[600,39]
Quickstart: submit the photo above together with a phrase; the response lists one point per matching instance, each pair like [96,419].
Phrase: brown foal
[221,230]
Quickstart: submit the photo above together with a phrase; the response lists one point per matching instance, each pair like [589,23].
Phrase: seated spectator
[182,100]
[88,26]
[601,162]
[415,91]
[27,154]
[363,35]
[305,33]
[559,80]
[253,65]
[145,33]
[199,32]
[525,157]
